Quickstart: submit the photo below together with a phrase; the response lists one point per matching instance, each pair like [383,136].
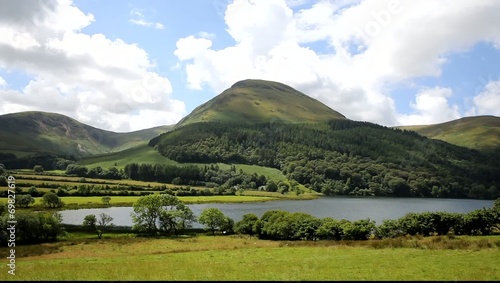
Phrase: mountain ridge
[47,132]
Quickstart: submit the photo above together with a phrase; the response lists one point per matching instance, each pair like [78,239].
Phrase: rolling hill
[254,101]
[479,132]
[35,132]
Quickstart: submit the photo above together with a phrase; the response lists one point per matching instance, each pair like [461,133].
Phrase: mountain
[254,101]
[479,132]
[321,149]
[34,132]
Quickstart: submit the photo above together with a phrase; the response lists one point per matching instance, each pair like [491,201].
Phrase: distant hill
[254,101]
[34,132]
[479,132]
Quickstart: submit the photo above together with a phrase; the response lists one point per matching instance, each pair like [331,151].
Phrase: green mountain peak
[256,101]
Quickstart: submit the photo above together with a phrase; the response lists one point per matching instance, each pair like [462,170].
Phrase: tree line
[283,225]
[31,227]
[342,157]
[208,175]
[48,161]
[166,215]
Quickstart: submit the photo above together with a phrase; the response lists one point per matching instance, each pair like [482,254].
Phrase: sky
[125,65]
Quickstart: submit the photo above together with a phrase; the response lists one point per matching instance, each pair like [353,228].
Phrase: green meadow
[126,257]
[130,200]
[146,154]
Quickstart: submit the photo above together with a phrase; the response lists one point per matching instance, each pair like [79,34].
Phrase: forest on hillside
[342,157]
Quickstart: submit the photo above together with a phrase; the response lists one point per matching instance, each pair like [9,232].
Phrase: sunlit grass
[93,199]
[130,200]
[76,181]
[304,196]
[224,199]
[246,258]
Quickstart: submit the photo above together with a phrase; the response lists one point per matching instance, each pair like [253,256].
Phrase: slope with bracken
[479,132]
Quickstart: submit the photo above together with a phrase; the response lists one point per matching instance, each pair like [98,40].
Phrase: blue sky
[129,65]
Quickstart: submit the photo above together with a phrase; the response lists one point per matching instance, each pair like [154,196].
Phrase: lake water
[350,208]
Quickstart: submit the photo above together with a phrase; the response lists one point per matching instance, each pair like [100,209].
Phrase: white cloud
[207,35]
[139,19]
[3,83]
[488,101]
[103,82]
[370,45]
[431,107]
[143,23]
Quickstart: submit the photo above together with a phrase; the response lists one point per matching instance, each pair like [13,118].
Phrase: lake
[350,208]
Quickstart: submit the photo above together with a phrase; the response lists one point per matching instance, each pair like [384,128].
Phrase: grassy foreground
[244,258]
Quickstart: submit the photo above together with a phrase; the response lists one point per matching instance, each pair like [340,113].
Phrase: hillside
[254,101]
[323,150]
[34,132]
[479,132]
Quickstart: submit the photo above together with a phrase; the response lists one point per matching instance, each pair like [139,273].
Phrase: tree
[228,226]
[3,181]
[245,226]
[98,225]
[24,200]
[79,170]
[213,219]
[34,227]
[271,186]
[33,191]
[51,200]
[173,220]
[304,226]
[106,199]
[38,169]
[177,181]
[329,229]
[358,230]
[164,210]
[91,222]
[103,222]
[185,216]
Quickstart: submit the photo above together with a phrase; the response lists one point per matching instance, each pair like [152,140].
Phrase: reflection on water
[350,208]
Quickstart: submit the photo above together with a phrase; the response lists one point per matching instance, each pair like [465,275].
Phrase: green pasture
[130,200]
[246,258]
[146,154]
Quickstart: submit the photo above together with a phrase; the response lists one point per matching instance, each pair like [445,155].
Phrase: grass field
[73,202]
[146,154]
[282,196]
[245,258]
[75,181]
[139,154]
[130,200]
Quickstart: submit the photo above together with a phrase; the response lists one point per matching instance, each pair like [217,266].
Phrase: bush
[245,226]
[24,200]
[329,229]
[38,169]
[51,200]
[33,227]
[358,230]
